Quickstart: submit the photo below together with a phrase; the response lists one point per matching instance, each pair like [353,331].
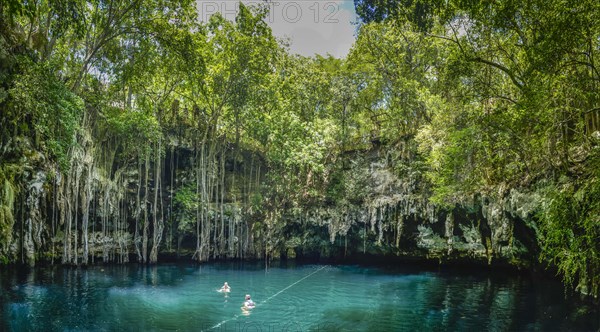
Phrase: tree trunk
[87,198]
[144,206]
[136,236]
[156,222]
[222,209]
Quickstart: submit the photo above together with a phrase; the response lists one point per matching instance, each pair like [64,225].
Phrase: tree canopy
[133,123]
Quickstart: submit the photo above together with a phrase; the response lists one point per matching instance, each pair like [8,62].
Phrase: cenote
[289,297]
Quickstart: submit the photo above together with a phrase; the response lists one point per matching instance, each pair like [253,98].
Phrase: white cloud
[312,26]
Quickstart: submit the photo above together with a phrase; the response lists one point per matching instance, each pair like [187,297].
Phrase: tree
[510,106]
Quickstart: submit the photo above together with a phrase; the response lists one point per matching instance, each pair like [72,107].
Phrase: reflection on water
[291,298]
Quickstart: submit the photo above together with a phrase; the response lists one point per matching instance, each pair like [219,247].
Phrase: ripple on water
[168,307]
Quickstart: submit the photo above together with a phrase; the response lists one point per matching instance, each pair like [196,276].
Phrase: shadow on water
[449,302]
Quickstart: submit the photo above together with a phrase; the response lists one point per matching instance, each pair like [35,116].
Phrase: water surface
[289,297]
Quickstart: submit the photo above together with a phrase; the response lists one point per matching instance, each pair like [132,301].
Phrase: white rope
[288,287]
[223,322]
[270,297]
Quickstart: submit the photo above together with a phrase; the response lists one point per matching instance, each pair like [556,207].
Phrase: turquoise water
[289,298]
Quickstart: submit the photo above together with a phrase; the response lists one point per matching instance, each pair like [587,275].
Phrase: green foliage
[186,198]
[393,68]
[506,96]
[419,12]
[43,108]
[136,130]
[7,200]
[336,189]
[186,202]
[256,202]
[12,9]
[467,96]
[569,224]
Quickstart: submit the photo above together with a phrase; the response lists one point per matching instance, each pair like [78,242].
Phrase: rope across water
[269,298]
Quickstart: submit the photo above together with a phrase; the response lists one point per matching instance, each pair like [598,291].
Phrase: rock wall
[381,207]
[396,218]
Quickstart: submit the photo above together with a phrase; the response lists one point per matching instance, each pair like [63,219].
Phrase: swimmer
[225,288]
[248,304]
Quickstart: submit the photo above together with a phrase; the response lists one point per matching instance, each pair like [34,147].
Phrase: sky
[310,26]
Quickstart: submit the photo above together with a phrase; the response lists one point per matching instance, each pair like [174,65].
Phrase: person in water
[249,304]
[225,288]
